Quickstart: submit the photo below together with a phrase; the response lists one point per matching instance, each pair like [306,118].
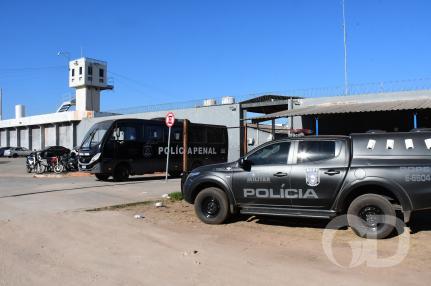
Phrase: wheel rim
[370,215]
[210,207]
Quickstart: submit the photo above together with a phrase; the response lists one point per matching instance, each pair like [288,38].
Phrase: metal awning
[349,107]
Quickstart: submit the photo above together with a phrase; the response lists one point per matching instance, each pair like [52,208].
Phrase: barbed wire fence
[354,89]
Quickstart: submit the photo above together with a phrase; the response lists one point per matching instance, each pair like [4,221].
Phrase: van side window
[273,154]
[153,132]
[125,133]
[311,151]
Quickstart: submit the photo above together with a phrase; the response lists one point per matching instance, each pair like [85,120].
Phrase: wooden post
[185,145]
[245,138]
[273,129]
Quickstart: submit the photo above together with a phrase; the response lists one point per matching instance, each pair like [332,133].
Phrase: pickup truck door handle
[280,174]
[332,172]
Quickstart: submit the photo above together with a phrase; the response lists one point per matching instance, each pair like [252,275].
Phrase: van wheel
[212,206]
[121,173]
[371,216]
[175,173]
[102,177]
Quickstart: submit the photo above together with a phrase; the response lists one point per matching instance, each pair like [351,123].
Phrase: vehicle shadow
[420,221]
[287,221]
[316,223]
[144,178]
[104,184]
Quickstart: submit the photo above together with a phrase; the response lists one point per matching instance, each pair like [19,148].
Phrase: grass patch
[121,206]
[176,196]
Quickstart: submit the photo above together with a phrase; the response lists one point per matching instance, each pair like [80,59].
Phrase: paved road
[23,194]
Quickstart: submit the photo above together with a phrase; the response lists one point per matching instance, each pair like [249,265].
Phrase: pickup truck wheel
[371,216]
[212,206]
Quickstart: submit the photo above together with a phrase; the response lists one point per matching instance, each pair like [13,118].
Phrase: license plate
[83,167]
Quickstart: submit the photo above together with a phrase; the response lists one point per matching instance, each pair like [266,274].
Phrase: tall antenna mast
[1,104]
[346,82]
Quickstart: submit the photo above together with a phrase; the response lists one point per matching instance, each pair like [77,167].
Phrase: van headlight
[95,158]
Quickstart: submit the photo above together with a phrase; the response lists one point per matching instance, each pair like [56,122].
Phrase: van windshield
[95,136]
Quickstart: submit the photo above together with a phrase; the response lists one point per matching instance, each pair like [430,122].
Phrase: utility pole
[1,104]
[346,82]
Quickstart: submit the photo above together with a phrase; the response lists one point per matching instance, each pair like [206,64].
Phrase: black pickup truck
[371,177]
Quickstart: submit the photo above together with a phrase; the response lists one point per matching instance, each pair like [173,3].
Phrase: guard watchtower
[88,77]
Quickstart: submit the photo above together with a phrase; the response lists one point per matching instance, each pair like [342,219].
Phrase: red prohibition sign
[170,119]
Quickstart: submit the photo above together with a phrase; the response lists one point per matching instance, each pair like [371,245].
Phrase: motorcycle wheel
[40,169]
[58,169]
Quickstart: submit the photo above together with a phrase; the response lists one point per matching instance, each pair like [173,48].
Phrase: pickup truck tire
[212,206]
[371,216]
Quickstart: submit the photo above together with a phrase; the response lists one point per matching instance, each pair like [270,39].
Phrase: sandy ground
[169,246]
[47,237]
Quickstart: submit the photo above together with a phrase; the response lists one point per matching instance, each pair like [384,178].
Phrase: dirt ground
[169,246]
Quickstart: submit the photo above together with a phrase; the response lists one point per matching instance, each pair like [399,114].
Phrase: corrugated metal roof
[350,107]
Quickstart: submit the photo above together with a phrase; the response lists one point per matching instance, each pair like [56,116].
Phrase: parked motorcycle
[66,163]
[36,162]
[30,162]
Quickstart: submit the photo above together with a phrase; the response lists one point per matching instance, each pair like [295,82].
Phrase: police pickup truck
[371,177]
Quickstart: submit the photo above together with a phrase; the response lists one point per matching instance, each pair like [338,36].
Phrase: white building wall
[3,138]
[50,136]
[24,137]
[65,133]
[13,141]
[35,135]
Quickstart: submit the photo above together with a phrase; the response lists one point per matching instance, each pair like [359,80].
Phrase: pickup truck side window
[273,154]
[311,151]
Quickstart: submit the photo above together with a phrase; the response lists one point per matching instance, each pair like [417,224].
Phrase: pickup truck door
[318,172]
[264,183]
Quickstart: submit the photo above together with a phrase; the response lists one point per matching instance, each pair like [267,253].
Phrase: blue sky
[164,51]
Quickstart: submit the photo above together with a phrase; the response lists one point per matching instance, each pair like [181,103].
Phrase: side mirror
[245,164]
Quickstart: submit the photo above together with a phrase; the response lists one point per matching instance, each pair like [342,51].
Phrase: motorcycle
[67,162]
[30,162]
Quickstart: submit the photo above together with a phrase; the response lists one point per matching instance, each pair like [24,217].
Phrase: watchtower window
[73,72]
[80,70]
[90,70]
[101,72]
